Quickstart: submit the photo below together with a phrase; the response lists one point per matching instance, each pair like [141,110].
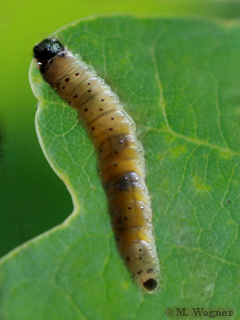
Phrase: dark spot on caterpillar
[102,99]
[112,118]
[101,109]
[149,270]
[100,150]
[140,250]
[58,84]
[51,61]
[116,151]
[63,87]
[139,272]
[89,83]
[129,180]
[140,258]
[93,128]
[69,102]
[61,55]
[129,208]
[115,164]
[86,109]
[77,74]
[128,259]
[67,79]
[47,68]
[110,129]
[150,284]
[90,90]
[126,218]
[120,141]
[75,96]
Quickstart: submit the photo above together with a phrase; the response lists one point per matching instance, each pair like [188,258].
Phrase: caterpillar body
[120,155]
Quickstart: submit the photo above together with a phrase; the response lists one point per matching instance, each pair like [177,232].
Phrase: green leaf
[179,78]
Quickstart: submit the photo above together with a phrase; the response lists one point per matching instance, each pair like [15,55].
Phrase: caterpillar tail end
[149,283]
[143,262]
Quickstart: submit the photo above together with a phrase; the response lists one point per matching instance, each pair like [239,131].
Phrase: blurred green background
[32,198]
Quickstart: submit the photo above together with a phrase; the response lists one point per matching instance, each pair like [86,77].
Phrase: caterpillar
[120,155]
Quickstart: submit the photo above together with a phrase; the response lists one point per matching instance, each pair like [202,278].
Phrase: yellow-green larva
[120,155]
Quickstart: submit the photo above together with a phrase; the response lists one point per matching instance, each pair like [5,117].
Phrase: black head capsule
[45,51]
